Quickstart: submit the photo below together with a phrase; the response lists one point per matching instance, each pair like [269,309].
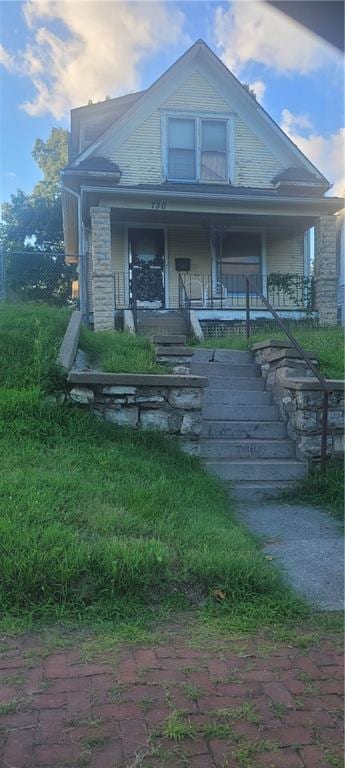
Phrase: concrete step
[203,355]
[237,397]
[235,382]
[169,340]
[247,449]
[259,491]
[173,351]
[241,412]
[226,369]
[238,356]
[243,430]
[257,469]
[150,330]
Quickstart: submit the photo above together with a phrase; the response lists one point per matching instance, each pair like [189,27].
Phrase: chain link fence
[38,276]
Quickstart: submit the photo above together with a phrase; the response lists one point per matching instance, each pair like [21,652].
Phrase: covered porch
[154,249]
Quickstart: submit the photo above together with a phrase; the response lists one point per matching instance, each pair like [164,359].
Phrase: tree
[32,227]
[51,156]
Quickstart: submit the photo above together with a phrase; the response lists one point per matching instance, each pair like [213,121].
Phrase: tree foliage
[31,231]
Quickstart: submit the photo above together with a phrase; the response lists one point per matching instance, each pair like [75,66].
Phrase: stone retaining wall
[299,396]
[170,404]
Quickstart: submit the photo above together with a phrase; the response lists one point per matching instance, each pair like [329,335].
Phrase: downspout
[82,258]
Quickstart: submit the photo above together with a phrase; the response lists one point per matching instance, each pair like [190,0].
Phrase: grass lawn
[327,343]
[98,524]
[120,352]
[326,490]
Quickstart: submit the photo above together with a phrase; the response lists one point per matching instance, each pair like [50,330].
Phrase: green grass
[30,336]
[326,343]
[118,352]
[99,524]
[324,490]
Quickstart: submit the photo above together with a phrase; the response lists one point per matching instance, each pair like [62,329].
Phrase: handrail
[325,386]
[184,303]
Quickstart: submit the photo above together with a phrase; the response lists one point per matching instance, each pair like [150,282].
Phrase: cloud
[86,50]
[6,59]
[326,152]
[259,88]
[254,31]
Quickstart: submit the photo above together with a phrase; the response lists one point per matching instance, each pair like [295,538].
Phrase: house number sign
[159,205]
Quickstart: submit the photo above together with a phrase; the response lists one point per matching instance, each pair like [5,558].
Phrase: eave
[304,205]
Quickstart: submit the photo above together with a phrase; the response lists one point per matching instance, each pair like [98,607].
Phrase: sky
[57,55]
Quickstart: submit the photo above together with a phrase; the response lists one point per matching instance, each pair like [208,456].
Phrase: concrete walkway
[307,543]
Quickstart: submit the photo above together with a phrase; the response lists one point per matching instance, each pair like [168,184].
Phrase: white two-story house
[186,188]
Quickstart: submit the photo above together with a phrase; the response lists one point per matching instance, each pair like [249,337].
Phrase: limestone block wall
[168,403]
[325,267]
[299,396]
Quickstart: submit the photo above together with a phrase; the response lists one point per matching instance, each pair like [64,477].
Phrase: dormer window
[197,149]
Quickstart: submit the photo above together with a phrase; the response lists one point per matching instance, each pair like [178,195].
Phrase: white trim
[307,252]
[332,204]
[141,225]
[255,314]
[264,261]
[198,118]
[199,58]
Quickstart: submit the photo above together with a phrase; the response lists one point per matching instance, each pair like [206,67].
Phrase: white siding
[193,243]
[285,254]
[140,156]
[255,165]
[196,93]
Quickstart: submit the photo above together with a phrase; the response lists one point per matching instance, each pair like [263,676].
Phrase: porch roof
[220,207]
[211,198]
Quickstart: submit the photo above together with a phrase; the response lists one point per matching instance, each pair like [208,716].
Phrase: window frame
[198,119]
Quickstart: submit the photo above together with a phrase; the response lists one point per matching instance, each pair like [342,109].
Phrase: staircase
[160,322]
[243,439]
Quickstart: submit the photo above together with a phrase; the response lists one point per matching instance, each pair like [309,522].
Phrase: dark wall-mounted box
[182,265]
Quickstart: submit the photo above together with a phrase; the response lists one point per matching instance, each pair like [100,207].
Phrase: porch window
[197,149]
[240,255]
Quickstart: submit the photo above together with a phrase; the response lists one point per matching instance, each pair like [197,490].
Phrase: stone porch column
[102,272]
[325,270]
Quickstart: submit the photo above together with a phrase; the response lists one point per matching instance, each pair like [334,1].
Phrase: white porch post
[102,272]
[325,268]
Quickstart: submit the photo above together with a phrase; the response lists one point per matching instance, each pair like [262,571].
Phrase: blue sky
[56,55]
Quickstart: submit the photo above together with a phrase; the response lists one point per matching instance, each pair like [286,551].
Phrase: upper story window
[197,149]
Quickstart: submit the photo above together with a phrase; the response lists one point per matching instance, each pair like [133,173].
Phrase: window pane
[241,245]
[243,268]
[181,134]
[213,166]
[181,164]
[213,135]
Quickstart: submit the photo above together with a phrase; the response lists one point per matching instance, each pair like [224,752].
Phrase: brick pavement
[172,707]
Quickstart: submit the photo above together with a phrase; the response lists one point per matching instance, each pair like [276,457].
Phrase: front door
[146,266]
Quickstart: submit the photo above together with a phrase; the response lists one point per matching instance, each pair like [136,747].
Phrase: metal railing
[289,290]
[184,304]
[252,287]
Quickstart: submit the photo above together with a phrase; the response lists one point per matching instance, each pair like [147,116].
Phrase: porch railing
[289,290]
[284,291]
[251,288]
[184,304]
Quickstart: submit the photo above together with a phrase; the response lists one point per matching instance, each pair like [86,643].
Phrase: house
[173,196]
[341,266]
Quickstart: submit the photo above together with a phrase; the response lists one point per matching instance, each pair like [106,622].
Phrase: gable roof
[199,56]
